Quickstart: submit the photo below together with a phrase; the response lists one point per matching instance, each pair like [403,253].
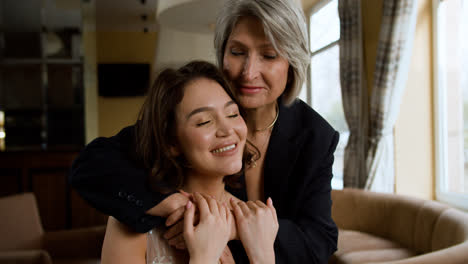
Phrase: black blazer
[297,176]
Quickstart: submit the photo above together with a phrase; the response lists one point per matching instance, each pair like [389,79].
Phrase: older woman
[262,46]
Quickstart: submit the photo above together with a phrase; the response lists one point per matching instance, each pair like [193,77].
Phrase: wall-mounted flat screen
[123,79]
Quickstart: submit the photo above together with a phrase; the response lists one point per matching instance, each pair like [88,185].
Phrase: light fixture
[2,131]
[191,38]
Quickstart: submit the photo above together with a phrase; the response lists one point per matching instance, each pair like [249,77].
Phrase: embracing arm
[106,177]
[309,234]
[122,246]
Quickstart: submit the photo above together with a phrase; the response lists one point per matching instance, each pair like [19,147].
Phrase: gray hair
[284,25]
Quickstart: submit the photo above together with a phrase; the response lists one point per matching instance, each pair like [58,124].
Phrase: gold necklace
[253,161]
[272,123]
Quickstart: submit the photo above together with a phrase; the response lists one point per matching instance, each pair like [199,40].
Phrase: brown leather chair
[396,229]
[23,240]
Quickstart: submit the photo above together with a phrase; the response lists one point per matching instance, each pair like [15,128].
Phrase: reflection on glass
[324,26]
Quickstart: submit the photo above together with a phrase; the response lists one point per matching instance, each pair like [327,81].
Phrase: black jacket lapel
[283,150]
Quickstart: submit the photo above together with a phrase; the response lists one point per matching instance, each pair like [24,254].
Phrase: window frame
[336,184]
[319,5]
[440,122]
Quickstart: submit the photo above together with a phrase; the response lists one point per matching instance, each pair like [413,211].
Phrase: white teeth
[224,149]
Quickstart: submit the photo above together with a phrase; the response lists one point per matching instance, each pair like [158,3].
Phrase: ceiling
[114,15]
[190,15]
[110,15]
[125,15]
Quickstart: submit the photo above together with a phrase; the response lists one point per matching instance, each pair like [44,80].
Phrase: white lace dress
[158,251]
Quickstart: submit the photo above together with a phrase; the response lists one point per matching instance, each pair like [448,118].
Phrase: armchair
[23,239]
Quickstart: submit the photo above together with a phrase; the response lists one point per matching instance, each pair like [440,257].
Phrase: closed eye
[269,56]
[203,123]
[233,115]
[237,53]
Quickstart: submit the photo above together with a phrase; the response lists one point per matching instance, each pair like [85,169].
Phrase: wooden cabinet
[45,173]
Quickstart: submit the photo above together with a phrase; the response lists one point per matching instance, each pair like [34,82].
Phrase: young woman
[192,137]
[262,47]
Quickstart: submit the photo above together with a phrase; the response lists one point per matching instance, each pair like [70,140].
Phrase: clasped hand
[206,233]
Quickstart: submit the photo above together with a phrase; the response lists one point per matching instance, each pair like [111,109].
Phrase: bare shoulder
[122,245]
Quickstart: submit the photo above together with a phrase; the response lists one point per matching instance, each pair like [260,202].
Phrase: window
[324,90]
[451,101]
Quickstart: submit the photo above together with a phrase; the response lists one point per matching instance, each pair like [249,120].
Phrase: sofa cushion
[359,247]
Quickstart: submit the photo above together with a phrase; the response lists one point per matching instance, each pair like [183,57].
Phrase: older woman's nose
[251,68]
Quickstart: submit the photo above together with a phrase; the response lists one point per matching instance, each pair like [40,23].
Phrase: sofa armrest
[25,257]
[457,254]
[75,243]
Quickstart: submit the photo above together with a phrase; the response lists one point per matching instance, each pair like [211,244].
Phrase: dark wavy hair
[156,126]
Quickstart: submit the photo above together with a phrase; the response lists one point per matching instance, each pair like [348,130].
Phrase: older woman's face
[258,72]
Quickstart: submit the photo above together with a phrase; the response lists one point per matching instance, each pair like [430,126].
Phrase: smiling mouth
[250,89]
[223,149]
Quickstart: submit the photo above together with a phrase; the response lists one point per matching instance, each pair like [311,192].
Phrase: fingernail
[271,201]
[189,204]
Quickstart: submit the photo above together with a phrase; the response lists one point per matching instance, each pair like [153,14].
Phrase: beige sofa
[387,228]
[23,240]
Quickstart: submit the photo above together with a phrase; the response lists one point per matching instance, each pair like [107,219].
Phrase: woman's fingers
[202,205]
[252,206]
[236,208]
[175,216]
[212,204]
[169,205]
[226,257]
[175,230]
[272,209]
[245,209]
[214,208]
[188,218]
[261,204]
[186,194]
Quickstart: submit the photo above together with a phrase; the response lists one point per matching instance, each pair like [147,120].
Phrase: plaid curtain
[390,76]
[354,92]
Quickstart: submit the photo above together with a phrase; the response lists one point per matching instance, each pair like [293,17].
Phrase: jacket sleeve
[308,234]
[107,178]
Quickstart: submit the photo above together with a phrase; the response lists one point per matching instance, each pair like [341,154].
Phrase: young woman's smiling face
[211,132]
